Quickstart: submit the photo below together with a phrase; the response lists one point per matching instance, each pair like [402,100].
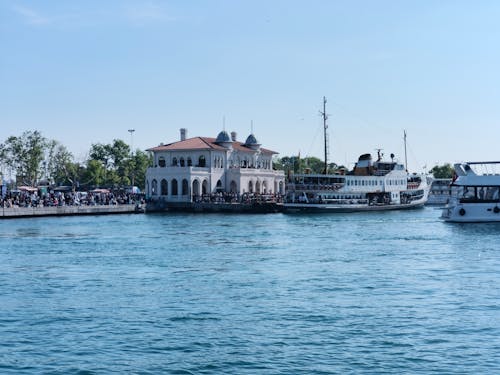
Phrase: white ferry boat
[376,186]
[439,193]
[474,194]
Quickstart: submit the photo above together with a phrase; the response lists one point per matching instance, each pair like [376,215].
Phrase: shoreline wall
[18,212]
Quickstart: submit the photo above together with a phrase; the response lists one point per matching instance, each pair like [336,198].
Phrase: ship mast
[406,159]
[325,126]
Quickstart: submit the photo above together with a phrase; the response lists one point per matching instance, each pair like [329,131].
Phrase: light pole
[131,131]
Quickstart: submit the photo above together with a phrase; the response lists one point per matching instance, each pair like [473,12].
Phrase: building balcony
[177,170]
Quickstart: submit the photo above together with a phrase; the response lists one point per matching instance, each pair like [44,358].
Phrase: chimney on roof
[233,136]
[183,134]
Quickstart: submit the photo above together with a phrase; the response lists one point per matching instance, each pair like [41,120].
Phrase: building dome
[223,137]
[251,140]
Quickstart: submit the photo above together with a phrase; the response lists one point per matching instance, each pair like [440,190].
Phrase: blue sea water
[368,293]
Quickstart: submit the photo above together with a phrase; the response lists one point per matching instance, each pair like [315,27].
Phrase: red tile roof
[204,143]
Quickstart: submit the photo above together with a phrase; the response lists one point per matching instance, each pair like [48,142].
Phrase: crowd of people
[224,197]
[67,198]
[40,198]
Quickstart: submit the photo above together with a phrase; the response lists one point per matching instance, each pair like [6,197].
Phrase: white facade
[194,167]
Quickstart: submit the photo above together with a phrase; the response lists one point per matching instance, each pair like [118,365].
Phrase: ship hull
[291,208]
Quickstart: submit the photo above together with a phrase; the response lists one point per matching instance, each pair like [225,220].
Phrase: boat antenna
[406,159]
[325,126]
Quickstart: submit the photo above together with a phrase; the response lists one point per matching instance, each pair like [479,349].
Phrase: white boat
[370,186]
[474,194]
[439,192]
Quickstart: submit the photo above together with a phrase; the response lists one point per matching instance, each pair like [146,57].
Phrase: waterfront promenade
[18,212]
[96,202]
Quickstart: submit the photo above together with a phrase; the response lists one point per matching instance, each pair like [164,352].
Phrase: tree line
[32,158]
[311,164]
[314,165]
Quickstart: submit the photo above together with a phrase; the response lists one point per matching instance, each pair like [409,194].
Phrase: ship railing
[332,201]
[413,185]
[312,187]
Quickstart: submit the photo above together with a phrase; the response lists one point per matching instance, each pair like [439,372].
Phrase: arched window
[201,161]
[161,162]
[257,187]
[164,187]
[250,187]
[219,186]
[174,162]
[174,187]
[196,187]
[233,187]
[204,187]
[182,162]
[154,187]
[189,162]
[185,187]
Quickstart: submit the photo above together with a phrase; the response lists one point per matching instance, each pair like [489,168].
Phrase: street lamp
[131,131]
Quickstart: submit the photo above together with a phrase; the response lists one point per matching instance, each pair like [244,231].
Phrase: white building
[193,167]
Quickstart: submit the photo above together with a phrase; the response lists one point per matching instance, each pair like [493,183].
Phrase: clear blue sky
[83,72]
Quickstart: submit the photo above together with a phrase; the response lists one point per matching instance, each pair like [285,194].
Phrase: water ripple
[389,293]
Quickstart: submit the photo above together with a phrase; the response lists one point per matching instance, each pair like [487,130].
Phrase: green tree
[442,171]
[120,153]
[60,167]
[24,155]
[278,164]
[95,173]
[139,164]
[314,164]
[114,158]
[300,165]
